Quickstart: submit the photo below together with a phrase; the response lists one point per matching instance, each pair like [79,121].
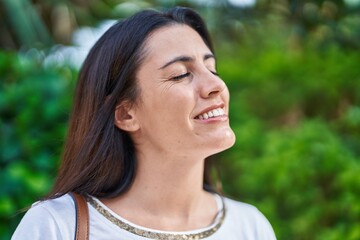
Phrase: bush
[34,106]
[303,177]
[297,122]
[295,112]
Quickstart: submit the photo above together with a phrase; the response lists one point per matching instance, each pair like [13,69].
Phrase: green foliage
[34,106]
[295,113]
[295,109]
[303,177]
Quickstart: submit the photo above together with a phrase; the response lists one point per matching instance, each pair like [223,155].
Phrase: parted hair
[99,158]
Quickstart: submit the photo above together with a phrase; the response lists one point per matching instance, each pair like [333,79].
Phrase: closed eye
[181,76]
[215,73]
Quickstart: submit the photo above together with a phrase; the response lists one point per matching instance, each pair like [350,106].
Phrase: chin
[223,144]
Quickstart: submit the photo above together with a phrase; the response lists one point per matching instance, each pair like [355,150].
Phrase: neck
[177,183]
[169,190]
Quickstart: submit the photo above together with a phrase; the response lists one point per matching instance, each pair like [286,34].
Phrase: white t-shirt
[55,219]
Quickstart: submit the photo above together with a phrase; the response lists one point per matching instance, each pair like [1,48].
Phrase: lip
[212,107]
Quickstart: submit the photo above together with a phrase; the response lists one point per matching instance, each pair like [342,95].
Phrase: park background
[293,70]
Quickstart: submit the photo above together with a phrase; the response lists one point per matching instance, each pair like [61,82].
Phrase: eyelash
[188,74]
[181,76]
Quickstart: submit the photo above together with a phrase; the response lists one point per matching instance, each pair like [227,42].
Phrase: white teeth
[212,113]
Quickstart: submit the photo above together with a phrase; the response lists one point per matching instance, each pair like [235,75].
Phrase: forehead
[174,40]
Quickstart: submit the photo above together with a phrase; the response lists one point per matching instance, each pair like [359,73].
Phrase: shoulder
[56,205]
[48,219]
[237,207]
[248,220]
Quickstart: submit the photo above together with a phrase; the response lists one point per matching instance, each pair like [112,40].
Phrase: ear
[125,117]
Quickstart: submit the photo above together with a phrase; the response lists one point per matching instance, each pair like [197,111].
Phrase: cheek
[171,106]
[226,97]
[226,93]
[177,105]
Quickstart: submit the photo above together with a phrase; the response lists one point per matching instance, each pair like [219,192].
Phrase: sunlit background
[293,70]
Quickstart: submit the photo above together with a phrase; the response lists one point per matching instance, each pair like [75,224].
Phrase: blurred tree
[292,70]
[21,25]
[39,23]
[34,106]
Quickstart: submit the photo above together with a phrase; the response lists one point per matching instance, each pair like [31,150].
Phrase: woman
[149,109]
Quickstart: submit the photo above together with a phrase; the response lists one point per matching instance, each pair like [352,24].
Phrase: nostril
[213,93]
[216,88]
[210,85]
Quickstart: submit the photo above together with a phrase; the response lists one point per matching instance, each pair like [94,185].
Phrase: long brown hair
[99,158]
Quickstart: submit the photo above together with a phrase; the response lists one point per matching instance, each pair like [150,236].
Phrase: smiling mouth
[211,114]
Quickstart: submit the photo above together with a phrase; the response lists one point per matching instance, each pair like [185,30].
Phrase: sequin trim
[156,235]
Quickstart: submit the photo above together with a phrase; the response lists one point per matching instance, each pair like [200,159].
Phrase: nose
[210,85]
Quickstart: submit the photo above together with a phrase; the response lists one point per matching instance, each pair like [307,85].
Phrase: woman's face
[183,105]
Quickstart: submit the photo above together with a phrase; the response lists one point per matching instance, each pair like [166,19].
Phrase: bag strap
[82,217]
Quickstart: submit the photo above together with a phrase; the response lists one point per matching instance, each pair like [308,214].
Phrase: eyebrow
[185,59]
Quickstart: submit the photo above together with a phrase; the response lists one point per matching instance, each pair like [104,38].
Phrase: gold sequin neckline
[159,235]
